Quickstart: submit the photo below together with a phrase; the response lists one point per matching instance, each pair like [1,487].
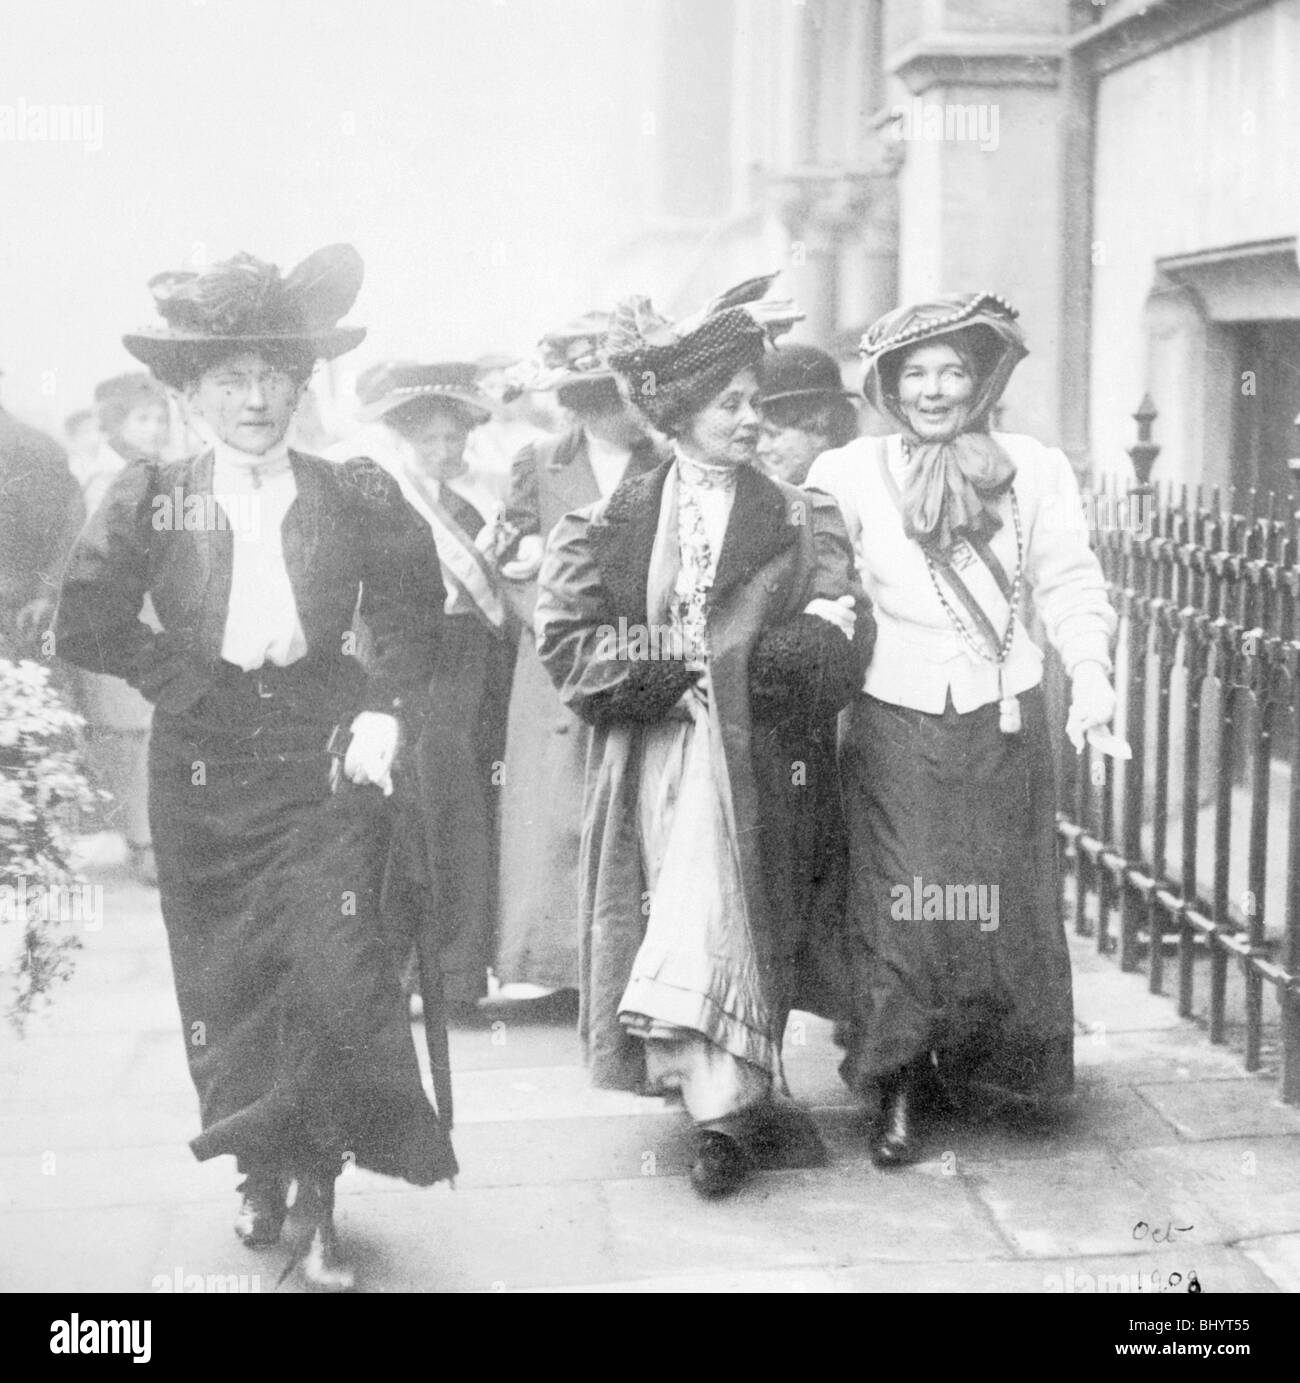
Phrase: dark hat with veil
[244,303]
[670,370]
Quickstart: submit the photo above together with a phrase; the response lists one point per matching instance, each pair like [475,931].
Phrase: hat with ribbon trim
[394,384]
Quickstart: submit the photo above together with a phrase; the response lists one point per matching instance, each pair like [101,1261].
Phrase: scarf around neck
[951,486]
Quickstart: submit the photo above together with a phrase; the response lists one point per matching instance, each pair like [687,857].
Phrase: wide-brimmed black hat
[391,385]
[244,302]
[799,372]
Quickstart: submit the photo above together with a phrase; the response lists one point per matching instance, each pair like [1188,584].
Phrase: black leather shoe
[894,1138]
[720,1166]
[262,1209]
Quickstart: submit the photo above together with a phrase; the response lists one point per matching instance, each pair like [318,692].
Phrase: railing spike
[1144,451]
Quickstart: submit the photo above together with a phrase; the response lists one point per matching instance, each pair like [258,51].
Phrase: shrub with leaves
[44,793]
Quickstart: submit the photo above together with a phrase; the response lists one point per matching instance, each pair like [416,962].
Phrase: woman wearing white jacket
[961,974]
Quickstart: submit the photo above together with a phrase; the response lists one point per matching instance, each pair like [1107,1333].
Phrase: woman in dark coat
[269,833]
[701,620]
[961,970]
[546,745]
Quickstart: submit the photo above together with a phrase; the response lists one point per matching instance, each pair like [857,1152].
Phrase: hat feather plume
[775,316]
[324,286]
[223,300]
[246,295]
[747,292]
[635,326]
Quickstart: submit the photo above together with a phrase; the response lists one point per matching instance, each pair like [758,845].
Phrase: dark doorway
[1265,436]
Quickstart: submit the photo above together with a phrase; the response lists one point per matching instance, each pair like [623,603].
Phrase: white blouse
[608,463]
[262,623]
[919,656]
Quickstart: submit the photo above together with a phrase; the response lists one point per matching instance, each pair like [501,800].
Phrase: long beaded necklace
[1008,706]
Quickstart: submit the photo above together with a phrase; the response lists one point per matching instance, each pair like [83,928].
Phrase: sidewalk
[566,1187]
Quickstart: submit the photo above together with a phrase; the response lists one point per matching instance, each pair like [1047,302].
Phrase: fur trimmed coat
[778,679]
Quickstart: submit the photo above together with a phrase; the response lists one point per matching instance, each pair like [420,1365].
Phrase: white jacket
[919,657]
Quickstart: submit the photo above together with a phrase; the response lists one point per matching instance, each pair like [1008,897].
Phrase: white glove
[372,750]
[839,612]
[1092,702]
[526,562]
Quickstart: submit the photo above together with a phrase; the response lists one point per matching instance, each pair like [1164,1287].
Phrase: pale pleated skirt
[695,993]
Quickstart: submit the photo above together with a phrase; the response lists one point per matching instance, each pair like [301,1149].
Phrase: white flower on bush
[43,792]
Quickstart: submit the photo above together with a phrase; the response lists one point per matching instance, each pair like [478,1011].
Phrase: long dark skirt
[950,801]
[294,1023]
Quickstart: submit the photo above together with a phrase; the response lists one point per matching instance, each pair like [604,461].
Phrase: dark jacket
[778,678]
[349,536]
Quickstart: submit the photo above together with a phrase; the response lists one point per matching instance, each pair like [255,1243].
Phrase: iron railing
[1208,586]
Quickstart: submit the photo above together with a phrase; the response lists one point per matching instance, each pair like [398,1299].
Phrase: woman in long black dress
[269,845]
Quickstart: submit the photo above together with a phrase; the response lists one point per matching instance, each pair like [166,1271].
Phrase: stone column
[978,115]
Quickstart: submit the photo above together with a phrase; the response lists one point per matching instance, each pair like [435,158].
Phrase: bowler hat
[799,372]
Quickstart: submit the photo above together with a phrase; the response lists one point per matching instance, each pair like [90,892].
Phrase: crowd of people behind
[660,695]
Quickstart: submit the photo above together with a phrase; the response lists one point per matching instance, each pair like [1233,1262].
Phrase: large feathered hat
[246,302]
[670,370]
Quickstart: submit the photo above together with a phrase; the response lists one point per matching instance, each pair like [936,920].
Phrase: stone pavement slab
[564,1187]
[1277,1255]
[1223,1109]
[1249,1186]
